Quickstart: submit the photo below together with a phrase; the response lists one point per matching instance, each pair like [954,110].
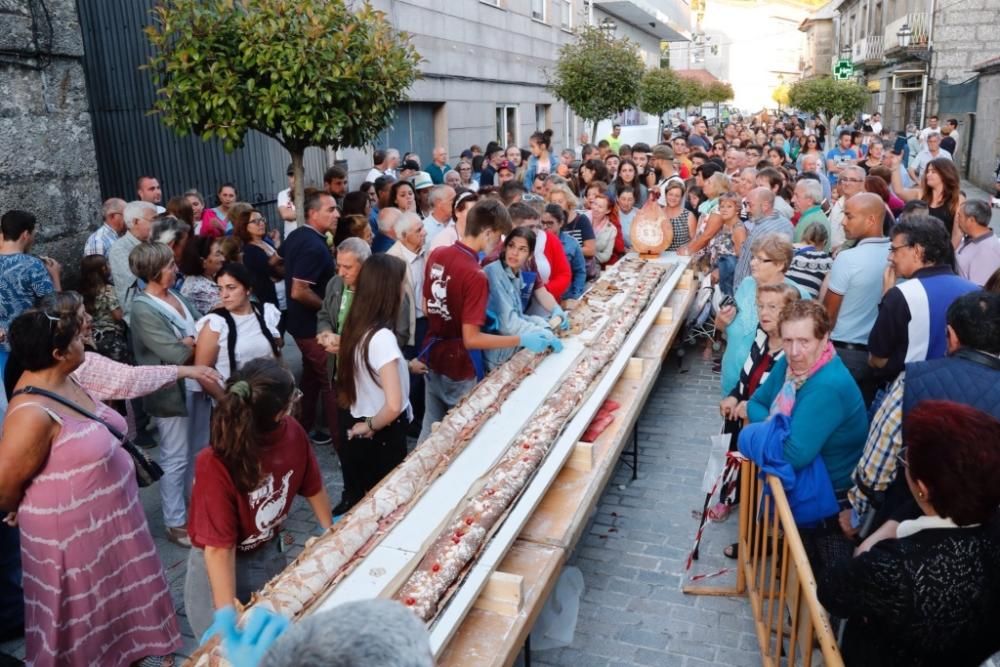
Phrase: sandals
[719,512]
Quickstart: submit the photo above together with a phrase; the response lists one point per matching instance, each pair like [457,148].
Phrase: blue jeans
[727,269]
[441,394]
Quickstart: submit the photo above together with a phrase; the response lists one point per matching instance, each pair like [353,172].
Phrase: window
[565,14]
[542,118]
[506,126]
[538,9]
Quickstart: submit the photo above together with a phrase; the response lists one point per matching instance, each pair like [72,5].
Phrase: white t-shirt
[250,341]
[373,174]
[382,349]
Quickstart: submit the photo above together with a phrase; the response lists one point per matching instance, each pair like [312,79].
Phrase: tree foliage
[718,92]
[780,95]
[660,91]
[305,72]
[828,98]
[693,92]
[597,76]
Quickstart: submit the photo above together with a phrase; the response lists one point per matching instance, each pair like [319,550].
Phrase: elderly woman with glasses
[259,460]
[771,256]
[163,333]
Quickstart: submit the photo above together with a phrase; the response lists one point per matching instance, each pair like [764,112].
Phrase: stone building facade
[47,164]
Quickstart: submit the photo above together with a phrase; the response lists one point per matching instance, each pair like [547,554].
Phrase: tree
[597,76]
[780,95]
[828,98]
[694,94]
[305,72]
[660,91]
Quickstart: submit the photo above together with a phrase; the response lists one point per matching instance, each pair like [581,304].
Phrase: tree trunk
[299,195]
[593,135]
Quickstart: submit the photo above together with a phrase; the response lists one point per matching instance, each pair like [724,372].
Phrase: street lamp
[904,35]
[608,27]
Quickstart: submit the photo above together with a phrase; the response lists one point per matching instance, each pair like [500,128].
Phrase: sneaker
[320,438]
[179,536]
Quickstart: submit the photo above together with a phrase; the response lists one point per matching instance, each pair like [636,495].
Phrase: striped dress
[94,588]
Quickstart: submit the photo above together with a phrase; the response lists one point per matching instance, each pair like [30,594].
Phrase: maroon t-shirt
[457,292]
[220,516]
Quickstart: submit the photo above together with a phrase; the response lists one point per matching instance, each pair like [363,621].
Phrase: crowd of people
[852,280]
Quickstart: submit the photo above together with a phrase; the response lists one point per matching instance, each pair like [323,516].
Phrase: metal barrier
[774,573]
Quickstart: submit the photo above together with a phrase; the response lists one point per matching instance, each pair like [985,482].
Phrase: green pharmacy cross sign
[844,69]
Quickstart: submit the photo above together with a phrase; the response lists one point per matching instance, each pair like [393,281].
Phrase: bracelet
[370,423]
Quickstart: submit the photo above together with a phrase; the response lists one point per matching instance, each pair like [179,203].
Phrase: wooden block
[582,457]
[666,315]
[503,594]
[633,369]
[687,278]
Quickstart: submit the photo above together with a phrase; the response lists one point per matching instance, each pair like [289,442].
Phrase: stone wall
[47,165]
[986,142]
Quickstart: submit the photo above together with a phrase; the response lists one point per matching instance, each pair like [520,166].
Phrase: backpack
[258,310]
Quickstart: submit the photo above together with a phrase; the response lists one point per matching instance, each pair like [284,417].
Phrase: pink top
[108,380]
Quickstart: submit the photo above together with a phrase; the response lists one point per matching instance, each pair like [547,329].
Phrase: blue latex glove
[246,647]
[560,313]
[223,621]
[538,341]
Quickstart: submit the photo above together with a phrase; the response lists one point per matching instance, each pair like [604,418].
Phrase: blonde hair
[718,183]
[776,247]
[562,188]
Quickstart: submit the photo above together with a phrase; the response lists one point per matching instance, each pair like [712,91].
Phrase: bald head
[863,216]
[761,201]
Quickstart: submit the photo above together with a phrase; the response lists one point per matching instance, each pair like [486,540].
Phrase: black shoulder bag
[147,470]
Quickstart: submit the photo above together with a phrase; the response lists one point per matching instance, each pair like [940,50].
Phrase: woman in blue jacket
[506,286]
[542,161]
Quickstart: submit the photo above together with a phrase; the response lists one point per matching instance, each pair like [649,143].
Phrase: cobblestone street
[632,556]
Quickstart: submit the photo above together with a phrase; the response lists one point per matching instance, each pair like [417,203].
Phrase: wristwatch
[369,424]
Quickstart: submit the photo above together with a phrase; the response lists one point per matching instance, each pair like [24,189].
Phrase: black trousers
[366,461]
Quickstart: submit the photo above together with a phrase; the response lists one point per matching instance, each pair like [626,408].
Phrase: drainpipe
[930,62]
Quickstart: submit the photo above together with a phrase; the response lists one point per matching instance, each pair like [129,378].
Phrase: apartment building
[486,62]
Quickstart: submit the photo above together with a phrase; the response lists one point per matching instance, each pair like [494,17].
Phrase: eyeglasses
[901,458]
[894,248]
[256,221]
[762,260]
[852,180]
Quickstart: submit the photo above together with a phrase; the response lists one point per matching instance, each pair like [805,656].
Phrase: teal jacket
[742,330]
[828,420]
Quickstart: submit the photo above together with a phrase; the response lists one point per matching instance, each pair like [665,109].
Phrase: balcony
[668,21]
[918,23]
[868,50]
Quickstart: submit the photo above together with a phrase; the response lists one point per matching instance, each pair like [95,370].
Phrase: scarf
[784,402]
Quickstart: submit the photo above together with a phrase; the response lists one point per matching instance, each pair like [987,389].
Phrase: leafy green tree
[828,98]
[597,76]
[305,72]
[693,92]
[660,91]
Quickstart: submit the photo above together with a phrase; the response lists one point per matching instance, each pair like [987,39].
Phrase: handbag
[147,471]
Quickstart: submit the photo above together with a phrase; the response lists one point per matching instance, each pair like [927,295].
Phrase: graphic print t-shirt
[221,516]
[457,291]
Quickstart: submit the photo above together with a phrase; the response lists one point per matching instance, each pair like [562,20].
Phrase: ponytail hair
[255,395]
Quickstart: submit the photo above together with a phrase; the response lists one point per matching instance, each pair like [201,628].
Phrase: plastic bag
[556,622]
[716,461]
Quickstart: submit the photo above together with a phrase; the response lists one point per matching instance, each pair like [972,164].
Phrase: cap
[291,169]
[411,165]
[422,180]
[663,152]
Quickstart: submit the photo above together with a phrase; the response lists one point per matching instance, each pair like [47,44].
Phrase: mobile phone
[727,301]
